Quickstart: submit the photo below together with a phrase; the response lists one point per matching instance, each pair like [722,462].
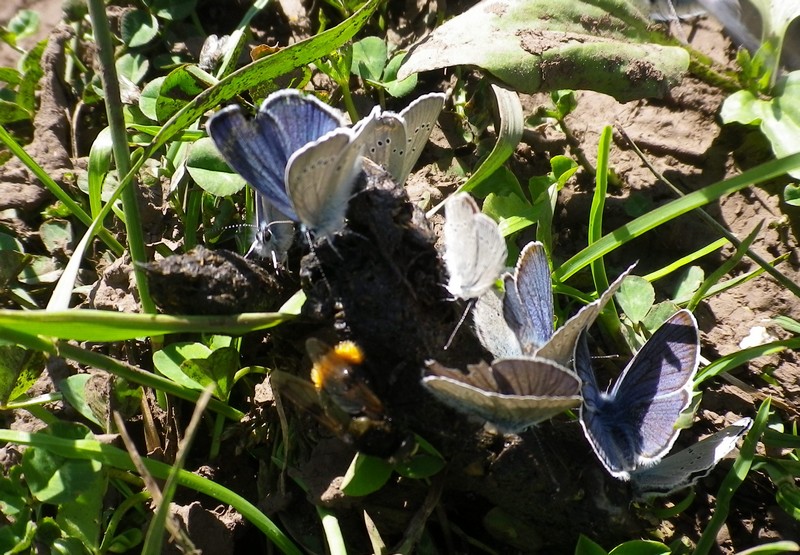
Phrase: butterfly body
[274,233]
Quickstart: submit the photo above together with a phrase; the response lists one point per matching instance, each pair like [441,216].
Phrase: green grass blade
[731,361]
[512,123]
[686,260]
[105,326]
[89,449]
[724,268]
[733,282]
[119,143]
[732,481]
[116,367]
[672,210]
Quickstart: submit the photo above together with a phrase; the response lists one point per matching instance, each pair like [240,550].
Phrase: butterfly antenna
[541,450]
[470,306]
[319,262]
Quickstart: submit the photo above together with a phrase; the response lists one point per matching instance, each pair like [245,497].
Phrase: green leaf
[13,496]
[512,530]
[791,195]
[507,203]
[218,368]
[365,475]
[81,517]
[73,389]
[55,479]
[369,58]
[11,112]
[149,97]
[788,324]
[101,156]
[778,117]
[19,536]
[420,466]
[535,45]
[24,24]
[169,360]
[133,66]
[640,547]
[512,122]
[772,548]
[32,71]
[638,204]
[394,86]
[588,547]
[689,282]
[208,169]
[138,28]
[658,315]
[173,10]
[126,541]
[41,270]
[563,167]
[635,297]
[9,242]
[10,264]
[181,86]
[57,236]
[19,370]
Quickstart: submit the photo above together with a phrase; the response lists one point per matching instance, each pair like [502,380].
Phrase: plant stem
[116,123]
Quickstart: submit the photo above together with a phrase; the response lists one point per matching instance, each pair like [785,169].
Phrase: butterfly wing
[320,178]
[562,344]
[259,149]
[528,303]
[512,394]
[255,151]
[686,467]
[598,423]
[383,137]
[474,249]
[634,425]
[491,328]
[656,386]
[299,118]
[418,118]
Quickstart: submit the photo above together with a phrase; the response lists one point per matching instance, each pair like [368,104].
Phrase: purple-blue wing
[528,303]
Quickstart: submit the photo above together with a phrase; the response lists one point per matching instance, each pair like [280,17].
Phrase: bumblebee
[340,397]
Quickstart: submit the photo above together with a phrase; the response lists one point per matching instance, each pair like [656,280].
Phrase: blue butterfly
[474,248]
[395,141]
[528,314]
[686,467]
[299,158]
[511,394]
[632,426]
